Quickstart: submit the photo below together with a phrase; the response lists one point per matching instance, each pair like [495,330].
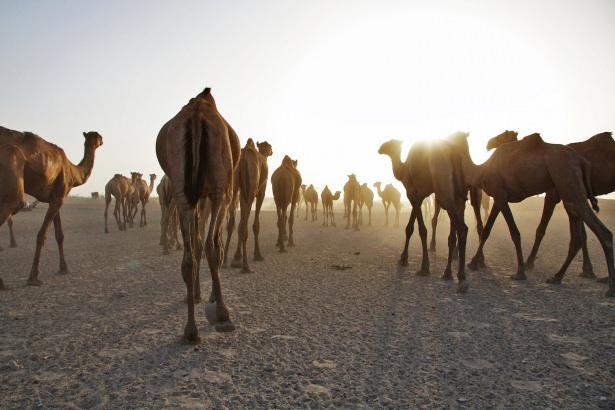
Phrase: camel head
[337,195]
[135,176]
[377,184]
[286,161]
[294,162]
[205,95]
[503,138]
[152,177]
[93,139]
[392,148]
[264,148]
[302,187]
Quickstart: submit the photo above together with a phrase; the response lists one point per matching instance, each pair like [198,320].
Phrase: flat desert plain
[308,335]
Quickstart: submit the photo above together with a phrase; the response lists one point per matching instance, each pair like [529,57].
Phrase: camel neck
[397,168]
[471,171]
[151,184]
[81,172]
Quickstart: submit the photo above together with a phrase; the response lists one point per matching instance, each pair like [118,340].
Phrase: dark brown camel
[251,184]
[9,222]
[31,165]
[599,150]
[199,151]
[311,201]
[118,187]
[286,183]
[390,196]
[352,194]
[366,199]
[518,170]
[433,167]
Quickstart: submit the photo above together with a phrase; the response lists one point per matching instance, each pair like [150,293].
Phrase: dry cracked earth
[308,336]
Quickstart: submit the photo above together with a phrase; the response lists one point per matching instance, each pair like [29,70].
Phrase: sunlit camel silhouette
[544,167]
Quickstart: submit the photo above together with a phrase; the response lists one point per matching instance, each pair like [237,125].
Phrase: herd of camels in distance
[208,174]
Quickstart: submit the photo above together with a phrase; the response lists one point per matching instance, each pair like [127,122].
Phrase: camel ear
[84,134]
[207,90]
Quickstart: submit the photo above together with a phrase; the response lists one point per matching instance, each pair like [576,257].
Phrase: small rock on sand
[324,364]
[526,385]
[316,389]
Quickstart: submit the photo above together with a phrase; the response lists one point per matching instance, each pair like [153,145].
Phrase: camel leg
[434,226]
[242,233]
[332,216]
[386,214]
[107,202]
[216,312]
[230,227]
[316,210]
[457,219]
[551,200]
[291,222]
[516,237]
[573,247]
[588,269]
[57,225]
[9,222]
[478,261]
[116,215]
[403,259]
[452,242]
[279,242]
[347,215]
[424,271]
[355,221]
[307,207]
[396,217]
[164,230]
[282,230]
[256,226]
[142,220]
[475,201]
[5,214]
[52,211]
[369,209]
[188,230]
[606,241]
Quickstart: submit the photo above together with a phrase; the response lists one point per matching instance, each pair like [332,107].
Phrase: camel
[250,184]
[169,221]
[199,151]
[286,183]
[141,194]
[599,150]
[352,195]
[301,199]
[390,196]
[29,164]
[311,202]
[95,195]
[327,205]
[366,198]
[433,167]
[118,187]
[544,167]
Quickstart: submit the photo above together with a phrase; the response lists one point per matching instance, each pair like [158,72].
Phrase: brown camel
[250,184]
[390,196]
[286,183]
[518,170]
[29,164]
[366,198]
[599,150]
[118,187]
[327,205]
[311,202]
[95,195]
[169,221]
[433,167]
[199,151]
[141,194]
[352,195]
[301,198]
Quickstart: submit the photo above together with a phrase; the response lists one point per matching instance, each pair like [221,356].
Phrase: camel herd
[207,175]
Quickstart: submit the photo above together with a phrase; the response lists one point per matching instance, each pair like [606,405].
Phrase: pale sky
[325,82]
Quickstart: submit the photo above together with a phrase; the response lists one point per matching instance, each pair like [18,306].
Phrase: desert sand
[308,335]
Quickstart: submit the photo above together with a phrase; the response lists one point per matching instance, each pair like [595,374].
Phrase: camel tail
[585,166]
[196,156]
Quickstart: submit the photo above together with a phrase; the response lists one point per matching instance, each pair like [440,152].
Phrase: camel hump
[606,136]
[533,139]
[250,143]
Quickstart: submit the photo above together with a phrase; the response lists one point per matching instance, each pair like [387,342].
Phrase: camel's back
[282,185]
[599,150]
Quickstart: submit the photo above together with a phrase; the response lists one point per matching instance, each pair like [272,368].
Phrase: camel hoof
[518,276]
[106,231]
[423,272]
[447,276]
[258,258]
[13,245]
[225,327]
[473,265]
[247,270]
[64,271]
[219,318]
[2,287]
[34,282]
[463,286]
[587,275]
[529,265]
[403,262]
[610,293]
[191,336]
[603,280]
[432,249]
[291,244]
[236,264]
[554,281]
[283,250]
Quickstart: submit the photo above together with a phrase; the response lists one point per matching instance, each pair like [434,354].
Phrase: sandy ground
[376,335]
